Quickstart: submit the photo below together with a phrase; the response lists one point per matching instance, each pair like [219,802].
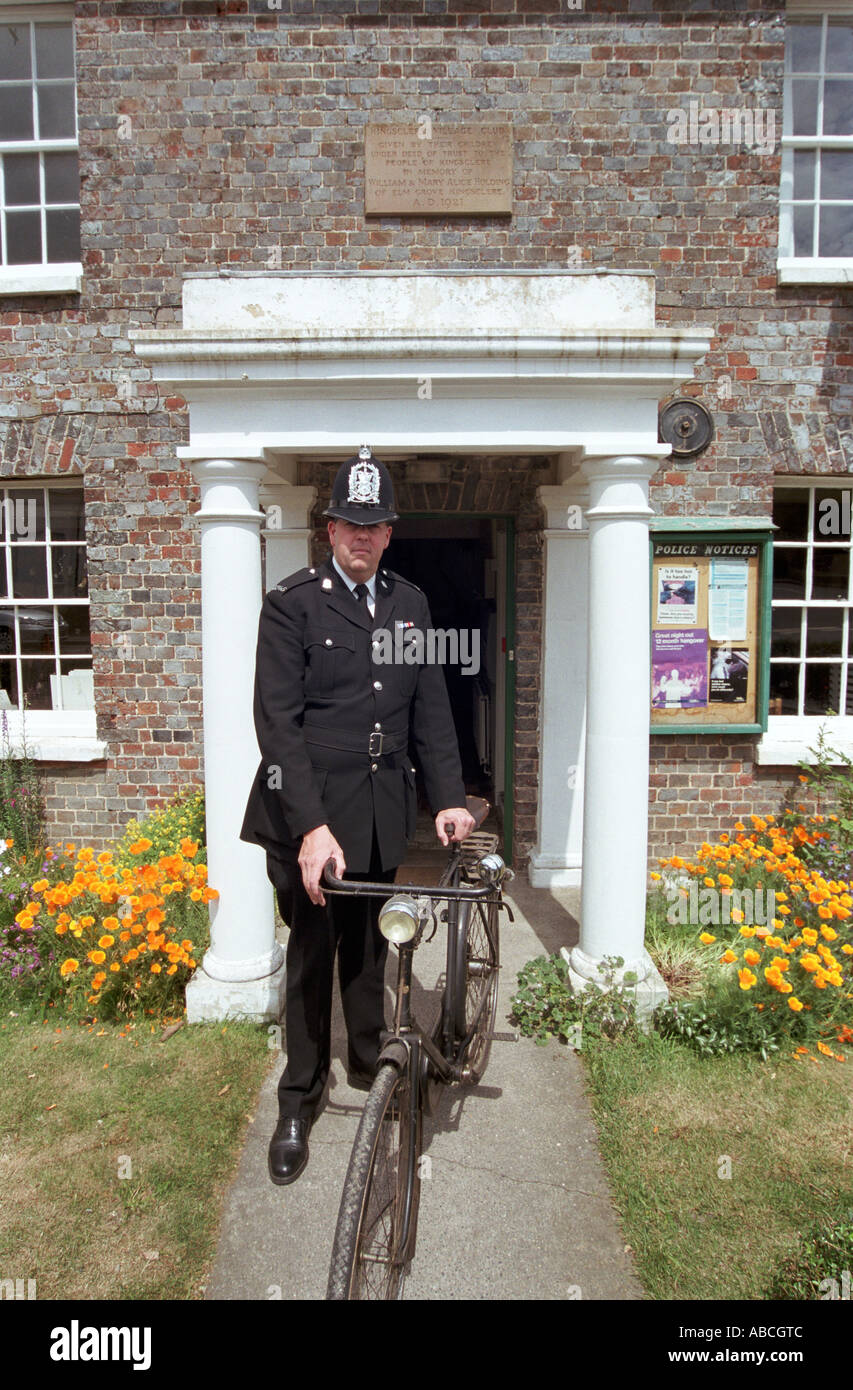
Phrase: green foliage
[713,1031]
[547,1007]
[825,1254]
[165,828]
[22,808]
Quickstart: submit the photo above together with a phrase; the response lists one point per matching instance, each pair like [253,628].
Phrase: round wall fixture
[687,426]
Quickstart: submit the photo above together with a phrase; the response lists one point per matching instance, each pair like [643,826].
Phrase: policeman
[336,781]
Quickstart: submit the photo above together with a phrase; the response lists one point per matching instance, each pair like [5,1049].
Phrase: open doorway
[464,566]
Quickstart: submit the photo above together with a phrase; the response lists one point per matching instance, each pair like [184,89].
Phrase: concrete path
[516,1203]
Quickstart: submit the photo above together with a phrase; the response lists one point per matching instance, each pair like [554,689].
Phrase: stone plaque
[417,170]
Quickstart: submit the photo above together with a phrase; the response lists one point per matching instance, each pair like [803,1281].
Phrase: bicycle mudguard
[395,1052]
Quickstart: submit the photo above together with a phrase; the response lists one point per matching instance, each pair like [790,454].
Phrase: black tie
[360,591]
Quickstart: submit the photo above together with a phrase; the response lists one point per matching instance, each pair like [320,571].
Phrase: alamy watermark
[714,127]
[437,646]
[712,907]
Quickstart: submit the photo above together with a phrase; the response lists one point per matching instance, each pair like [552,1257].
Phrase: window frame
[48,277]
[814,269]
[790,738]
[56,735]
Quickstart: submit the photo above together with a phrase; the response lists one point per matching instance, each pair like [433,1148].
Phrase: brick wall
[231,134]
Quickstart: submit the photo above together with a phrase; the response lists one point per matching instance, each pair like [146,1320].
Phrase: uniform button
[377,726]
[377,685]
[312,571]
[374,767]
[329,642]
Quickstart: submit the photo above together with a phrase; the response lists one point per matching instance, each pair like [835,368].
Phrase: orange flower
[69,966]
[794,1003]
[751,957]
[747,979]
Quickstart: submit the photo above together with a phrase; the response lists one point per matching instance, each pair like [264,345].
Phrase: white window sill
[789,740]
[805,270]
[61,278]
[62,736]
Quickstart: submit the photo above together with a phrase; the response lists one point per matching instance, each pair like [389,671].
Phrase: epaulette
[293,581]
[399,579]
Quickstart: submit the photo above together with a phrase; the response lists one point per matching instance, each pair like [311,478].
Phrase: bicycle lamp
[398,919]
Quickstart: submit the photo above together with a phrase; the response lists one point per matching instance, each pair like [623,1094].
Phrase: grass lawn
[115,1152]
[667,1119]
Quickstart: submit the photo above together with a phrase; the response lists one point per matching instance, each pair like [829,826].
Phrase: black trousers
[349,928]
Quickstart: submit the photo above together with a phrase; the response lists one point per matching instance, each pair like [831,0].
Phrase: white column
[242,974]
[287,533]
[616,790]
[556,861]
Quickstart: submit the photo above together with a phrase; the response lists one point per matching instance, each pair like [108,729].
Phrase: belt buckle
[375,752]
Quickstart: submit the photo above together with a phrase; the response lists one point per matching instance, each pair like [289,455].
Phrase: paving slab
[515,1203]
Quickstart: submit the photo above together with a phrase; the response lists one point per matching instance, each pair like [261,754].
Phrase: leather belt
[376,746]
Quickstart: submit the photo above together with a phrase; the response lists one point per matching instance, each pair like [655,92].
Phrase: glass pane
[785,636]
[823,689]
[837,107]
[23,516]
[36,626]
[8,680]
[23,238]
[839,46]
[36,678]
[804,106]
[29,571]
[803,231]
[61,178]
[836,174]
[824,631]
[66,514]
[22,178]
[790,513]
[783,687]
[54,50]
[802,47]
[831,513]
[68,563]
[74,630]
[836,230]
[804,165]
[7,631]
[63,234]
[830,572]
[789,573]
[56,111]
[16,113]
[15,58]
[77,689]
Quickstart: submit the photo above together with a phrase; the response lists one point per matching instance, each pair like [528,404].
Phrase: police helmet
[362,492]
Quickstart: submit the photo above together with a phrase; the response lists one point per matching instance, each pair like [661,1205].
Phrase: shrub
[547,1007]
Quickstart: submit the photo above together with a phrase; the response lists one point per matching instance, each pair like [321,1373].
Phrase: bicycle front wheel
[374,1239]
[477,974]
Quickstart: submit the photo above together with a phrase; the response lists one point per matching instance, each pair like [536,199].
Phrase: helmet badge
[364,479]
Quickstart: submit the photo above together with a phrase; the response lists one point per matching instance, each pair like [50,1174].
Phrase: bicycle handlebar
[387,890]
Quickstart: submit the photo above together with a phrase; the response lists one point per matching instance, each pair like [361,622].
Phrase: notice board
[709,631]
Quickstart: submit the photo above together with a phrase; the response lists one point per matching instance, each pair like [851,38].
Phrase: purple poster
[680,669]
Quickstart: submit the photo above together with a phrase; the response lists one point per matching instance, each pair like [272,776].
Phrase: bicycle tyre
[365,1262]
[477,974]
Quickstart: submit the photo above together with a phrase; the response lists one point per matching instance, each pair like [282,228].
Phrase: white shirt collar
[350,583]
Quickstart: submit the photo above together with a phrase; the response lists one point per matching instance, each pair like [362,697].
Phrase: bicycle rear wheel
[368,1260]
[476,975]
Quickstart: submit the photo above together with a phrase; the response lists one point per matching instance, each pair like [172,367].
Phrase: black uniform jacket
[334,726]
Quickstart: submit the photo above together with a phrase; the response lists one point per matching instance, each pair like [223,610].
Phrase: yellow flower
[747,931]
[794,1003]
[747,979]
[809,935]
[706,938]
[155,969]
[828,933]
[809,961]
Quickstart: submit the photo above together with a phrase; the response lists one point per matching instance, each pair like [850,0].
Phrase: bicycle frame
[405,1045]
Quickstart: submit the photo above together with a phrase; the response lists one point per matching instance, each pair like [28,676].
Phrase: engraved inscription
[450,169]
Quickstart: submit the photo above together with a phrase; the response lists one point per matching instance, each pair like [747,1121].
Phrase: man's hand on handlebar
[318,847]
[457,820]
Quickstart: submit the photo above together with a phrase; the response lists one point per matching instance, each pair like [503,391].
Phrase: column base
[551,871]
[258,1001]
[649,991]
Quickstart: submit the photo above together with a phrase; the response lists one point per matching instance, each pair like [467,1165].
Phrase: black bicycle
[377,1222]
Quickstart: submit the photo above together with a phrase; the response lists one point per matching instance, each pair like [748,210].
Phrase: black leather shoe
[288,1151]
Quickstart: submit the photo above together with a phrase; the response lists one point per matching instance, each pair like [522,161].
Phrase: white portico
[281,367]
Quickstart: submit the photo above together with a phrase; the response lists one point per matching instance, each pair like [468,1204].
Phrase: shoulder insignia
[293,581]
